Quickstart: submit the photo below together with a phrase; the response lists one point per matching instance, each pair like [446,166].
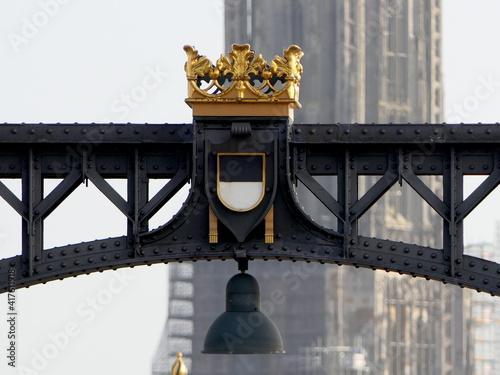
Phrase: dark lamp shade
[243,328]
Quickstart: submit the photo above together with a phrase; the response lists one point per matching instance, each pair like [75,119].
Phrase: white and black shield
[241,180]
[241,186]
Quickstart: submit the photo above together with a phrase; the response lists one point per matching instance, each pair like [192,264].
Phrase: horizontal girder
[396,153]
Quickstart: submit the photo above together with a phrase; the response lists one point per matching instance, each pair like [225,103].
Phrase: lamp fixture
[243,328]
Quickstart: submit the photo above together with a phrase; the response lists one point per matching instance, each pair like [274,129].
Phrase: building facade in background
[365,61]
[486,315]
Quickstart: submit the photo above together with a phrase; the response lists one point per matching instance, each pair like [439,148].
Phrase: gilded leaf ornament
[243,76]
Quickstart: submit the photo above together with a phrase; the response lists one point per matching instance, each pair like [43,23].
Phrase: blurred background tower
[486,315]
[365,61]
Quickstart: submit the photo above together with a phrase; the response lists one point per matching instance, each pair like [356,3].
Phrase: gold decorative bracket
[213,234]
[269,226]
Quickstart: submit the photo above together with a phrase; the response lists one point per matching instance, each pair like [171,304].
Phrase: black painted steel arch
[394,152]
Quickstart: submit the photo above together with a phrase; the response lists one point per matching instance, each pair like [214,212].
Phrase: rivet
[407,263]
[63,264]
[420,252]
[103,245]
[485,267]
[393,260]
[472,277]
[76,262]
[458,261]
[63,252]
[486,281]
[434,268]
[380,245]
[90,247]
[184,248]
[366,255]
[472,264]
[12,263]
[104,257]
[366,243]
[406,250]
[50,268]
[393,247]
[117,256]
[420,265]
[117,243]
[379,257]
[90,260]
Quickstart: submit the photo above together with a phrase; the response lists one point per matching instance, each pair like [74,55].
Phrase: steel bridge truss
[182,155]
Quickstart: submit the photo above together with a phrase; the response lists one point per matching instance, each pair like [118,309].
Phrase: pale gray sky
[70,60]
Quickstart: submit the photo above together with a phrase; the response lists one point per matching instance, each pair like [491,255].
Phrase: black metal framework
[139,152]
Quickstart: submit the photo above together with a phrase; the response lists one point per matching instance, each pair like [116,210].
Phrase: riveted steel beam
[299,153]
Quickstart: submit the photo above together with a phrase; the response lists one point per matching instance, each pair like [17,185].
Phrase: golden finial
[243,78]
[179,367]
